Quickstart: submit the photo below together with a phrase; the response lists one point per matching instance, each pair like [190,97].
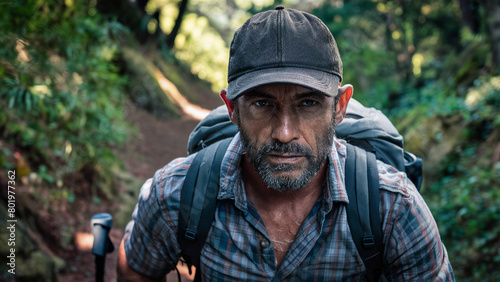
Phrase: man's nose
[285,126]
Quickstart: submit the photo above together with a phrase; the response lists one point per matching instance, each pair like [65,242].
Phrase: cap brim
[326,83]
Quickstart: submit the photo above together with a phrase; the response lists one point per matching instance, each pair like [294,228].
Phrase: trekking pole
[101,225]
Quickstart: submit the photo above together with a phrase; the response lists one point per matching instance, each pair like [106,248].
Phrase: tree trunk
[130,14]
[173,34]
[492,9]
[470,14]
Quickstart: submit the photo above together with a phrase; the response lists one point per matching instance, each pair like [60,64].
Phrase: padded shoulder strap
[199,200]
[363,214]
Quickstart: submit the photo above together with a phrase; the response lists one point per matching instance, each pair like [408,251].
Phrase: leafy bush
[467,209]
[60,88]
[465,198]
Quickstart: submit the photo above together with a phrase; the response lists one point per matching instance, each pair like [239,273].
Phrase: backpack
[369,135]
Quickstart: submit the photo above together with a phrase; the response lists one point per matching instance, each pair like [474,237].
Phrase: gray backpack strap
[363,213]
[199,201]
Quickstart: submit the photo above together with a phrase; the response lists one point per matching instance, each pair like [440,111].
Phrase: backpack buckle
[368,242]
[190,234]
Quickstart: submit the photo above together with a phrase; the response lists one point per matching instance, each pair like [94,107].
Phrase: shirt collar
[336,191]
[230,169]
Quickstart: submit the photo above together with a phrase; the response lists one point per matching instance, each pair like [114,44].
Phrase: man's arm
[123,270]
[149,248]
[413,247]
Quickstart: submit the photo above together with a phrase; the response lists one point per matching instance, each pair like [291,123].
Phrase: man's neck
[282,212]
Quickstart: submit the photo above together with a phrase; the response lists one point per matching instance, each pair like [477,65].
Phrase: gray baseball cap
[283,46]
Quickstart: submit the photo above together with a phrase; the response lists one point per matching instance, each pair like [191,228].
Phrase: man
[281,213]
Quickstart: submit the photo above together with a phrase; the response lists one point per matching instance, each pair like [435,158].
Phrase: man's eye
[262,103]
[308,103]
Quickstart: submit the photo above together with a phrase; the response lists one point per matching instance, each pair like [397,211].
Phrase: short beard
[266,170]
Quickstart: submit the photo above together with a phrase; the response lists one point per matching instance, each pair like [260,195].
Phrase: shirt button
[264,243]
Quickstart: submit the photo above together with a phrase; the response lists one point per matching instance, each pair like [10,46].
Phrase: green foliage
[60,89]
[467,209]
[391,49]
[200,46]
[468,218]
[465,198]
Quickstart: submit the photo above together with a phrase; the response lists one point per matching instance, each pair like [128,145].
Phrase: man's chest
[282,230]
[240,247]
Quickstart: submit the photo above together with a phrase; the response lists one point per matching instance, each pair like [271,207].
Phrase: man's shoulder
[175,168]
[394,181]
[167,181]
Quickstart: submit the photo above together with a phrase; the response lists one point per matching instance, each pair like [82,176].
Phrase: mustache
[284,148]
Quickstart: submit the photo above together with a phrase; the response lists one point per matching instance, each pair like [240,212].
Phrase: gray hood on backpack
[367,123]
[370,124]
[214,127]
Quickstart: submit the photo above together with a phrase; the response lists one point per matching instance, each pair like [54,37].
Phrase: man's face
[287,132]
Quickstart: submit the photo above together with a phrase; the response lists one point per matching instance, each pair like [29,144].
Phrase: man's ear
[345,93]
[229,106]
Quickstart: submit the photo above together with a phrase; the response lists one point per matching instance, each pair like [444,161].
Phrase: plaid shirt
[238,247]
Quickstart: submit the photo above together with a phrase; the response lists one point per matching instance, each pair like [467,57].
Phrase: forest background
[70,69]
